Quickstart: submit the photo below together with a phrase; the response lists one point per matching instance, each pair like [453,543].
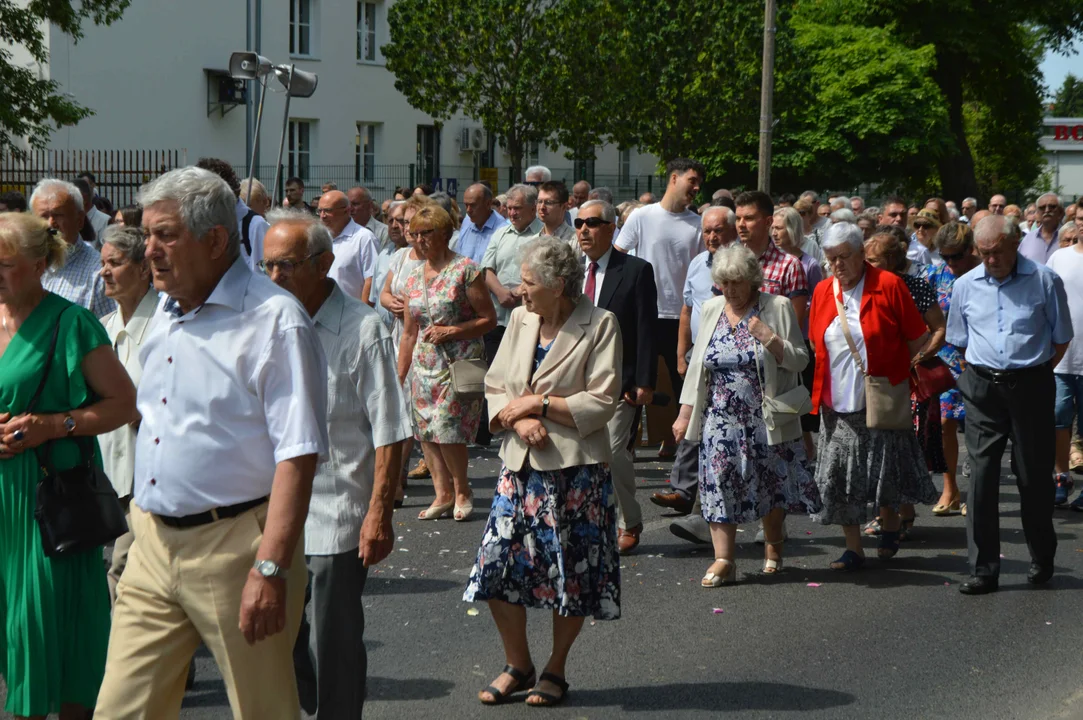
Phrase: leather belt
[1005,377]
[214,515]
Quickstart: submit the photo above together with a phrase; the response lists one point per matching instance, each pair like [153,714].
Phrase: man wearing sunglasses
[1042,241]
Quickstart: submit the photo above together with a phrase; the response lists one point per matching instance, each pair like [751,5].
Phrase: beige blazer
[777,313]
[583,367]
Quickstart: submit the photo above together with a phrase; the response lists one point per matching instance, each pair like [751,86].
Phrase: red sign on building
[1063,132]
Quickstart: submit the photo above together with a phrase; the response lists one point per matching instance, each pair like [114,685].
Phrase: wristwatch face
[69,424]
[267,568]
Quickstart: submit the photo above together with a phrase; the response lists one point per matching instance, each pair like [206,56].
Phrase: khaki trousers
[183,587]
[120,551]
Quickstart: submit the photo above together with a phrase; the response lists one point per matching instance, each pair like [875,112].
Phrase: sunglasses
[591,222]
[1048,208]
[953,257]
[925,226]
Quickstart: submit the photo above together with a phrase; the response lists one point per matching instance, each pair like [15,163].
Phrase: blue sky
[1055,67]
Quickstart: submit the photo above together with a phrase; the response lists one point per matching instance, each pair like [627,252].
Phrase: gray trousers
[1020,409]
[329,655]
[684,477]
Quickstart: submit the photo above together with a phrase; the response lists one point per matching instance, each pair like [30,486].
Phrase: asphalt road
[896,640]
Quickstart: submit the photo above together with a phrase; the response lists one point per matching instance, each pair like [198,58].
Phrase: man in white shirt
[667,235]
[361,213]
[233,403]
[349,518]
[893,211]
[355,246]
[250,224]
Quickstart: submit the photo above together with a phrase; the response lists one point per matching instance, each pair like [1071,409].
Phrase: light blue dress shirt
[473,241]
[1009,324]
[697,287]
[1034,247]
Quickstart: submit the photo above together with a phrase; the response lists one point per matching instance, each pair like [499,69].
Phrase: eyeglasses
[952,257]
[285,266]
[591,222]
[923,226]
[550,203]
[421,234]
[1048,208]
[329,211]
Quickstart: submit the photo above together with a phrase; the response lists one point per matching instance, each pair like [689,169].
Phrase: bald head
[334,211]
[997,203]
[478,200]
[580,193]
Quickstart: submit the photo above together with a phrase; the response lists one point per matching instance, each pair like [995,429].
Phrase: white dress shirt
[355,258]
[257,228]
[229,390]
[365,410]
[599,274]
[118,446]
[917,252]
[847,382]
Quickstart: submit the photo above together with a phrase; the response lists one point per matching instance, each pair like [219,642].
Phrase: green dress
[55,612]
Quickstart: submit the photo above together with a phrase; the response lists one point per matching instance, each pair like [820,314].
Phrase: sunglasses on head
[591,222]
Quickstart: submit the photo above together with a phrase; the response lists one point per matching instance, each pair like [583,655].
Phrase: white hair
[528,193]
[546,174]
[1060,203]
[53,187]
[736,263]
[844,233]
[845,215]
[1069,227]
[991,227]
[972,201]
[729,216]
[609,214]
[318,236]
[550,259]
[811,196]
[840,202]
[953,213]
[205,201]
[601,193]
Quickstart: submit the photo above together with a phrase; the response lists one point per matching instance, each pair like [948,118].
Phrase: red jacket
[889,320]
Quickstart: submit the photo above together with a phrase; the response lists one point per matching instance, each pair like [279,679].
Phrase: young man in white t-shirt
[1068,263]
[667,235]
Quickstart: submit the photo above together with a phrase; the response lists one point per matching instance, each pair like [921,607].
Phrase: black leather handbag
[77,509]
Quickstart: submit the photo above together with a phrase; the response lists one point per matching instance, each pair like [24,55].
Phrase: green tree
[32,108]
[1068,102]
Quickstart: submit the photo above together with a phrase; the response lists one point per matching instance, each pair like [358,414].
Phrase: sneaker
[692,528]
[1077,504]
[759,534]
[1064,487]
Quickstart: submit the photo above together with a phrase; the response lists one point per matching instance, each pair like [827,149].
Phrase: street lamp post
[767,89]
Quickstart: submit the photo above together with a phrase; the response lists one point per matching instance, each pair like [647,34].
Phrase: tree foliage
[1068,102]
[33,108]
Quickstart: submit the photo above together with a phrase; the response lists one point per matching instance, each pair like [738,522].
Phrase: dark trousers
[492,344]
[329,657]
[665,338]
[1020,408]
[684,477]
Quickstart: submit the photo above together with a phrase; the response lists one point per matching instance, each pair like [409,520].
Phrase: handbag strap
[48,363]
[846,328]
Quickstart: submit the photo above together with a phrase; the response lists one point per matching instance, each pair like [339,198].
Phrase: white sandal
[771,567]
[713,580]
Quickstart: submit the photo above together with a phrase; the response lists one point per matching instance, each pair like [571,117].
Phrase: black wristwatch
[545,405]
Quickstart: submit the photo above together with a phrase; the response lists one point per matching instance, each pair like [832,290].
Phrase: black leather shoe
[1039,574]
[979,585]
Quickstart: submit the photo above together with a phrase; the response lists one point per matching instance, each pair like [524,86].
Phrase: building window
[300,27]
[583,169]
[300,149]
[625,168]
[533,153]
[366,31]
[365,154]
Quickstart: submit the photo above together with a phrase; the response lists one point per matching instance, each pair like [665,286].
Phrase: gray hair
[500,199]
[736,263]
[1060,203]
[811,196]
[550,259]
[546,174]
[991,227]
[972,201]
[318,236]
[845,215]
[601,193]
[609,213]
[527,193]
[394,204]
[205,202]
[953,213]
[840,202]
[52,187]
[128,240]
[729,216]
[795,226]
[486,191]
[844,233]
[1070,228]
[442,199]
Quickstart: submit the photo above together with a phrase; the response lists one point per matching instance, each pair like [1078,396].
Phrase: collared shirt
[599,274]
[79,280]
[504,257]
[257,228]
[229,390]
[783,274]
[917,252]
[1034,247]
[379,231]
[564,232]
[697,287]
[365,410]
[118,446]
[381,267]
[99,221]
[1012,323]
[355,258]
[473,242]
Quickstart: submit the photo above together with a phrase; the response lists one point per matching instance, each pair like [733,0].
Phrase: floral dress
[742,477]
[951,402]
[440,415]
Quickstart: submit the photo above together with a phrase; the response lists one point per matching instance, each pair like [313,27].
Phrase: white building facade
[1062,141]
[152,80]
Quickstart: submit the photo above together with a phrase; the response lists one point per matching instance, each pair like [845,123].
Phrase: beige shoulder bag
[887,406]
[467,376]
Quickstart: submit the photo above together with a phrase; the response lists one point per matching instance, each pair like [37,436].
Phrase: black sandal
[550,701]
[523,680]
[907,524]
[889,544]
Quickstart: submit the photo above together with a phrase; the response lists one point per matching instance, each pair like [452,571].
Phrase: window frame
[299,29]
[365,160]
[299,159]
[367,31]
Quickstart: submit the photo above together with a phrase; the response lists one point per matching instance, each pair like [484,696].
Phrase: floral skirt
[858,466]
[551,543]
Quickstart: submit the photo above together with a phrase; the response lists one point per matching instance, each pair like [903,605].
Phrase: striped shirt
[79,281]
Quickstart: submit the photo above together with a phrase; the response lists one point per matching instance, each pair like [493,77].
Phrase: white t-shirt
[1068,263]
[847,382]
[669,242]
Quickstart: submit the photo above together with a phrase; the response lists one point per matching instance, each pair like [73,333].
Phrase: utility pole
[767,90]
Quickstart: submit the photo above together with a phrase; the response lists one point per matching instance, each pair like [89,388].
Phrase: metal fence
[118,173]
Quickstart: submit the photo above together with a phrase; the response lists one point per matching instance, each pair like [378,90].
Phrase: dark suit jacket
[628,291]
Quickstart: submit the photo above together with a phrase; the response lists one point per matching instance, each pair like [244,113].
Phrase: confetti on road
[472,612]
[814,585]
[718,611]
[1047,622]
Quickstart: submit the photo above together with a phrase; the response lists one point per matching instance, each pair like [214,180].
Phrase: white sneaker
[760,538]
[692,528]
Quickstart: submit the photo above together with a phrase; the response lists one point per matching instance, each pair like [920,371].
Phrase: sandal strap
[519,675]
[555,679]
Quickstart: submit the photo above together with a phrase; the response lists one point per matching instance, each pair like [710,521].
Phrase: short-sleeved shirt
[1068,264]
[504,257]
[1034,247]
[669,242]
[79,281]
[922,292]
[783,274]
[697,287]
[355,259]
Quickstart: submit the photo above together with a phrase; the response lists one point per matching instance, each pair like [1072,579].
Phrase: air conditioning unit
[472,139]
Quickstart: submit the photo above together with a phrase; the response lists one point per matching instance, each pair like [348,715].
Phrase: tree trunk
[956,167]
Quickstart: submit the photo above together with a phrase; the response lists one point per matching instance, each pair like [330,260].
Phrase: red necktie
[592,269]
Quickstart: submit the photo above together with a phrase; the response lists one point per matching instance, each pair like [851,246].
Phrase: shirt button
[163,401]
[153,481]
[169,360]
[156,441]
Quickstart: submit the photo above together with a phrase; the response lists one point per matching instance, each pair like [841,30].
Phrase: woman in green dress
[54,612]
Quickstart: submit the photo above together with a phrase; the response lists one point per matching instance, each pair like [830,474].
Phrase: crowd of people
[253,380]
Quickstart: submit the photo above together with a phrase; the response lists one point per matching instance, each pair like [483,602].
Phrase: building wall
[144,78]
